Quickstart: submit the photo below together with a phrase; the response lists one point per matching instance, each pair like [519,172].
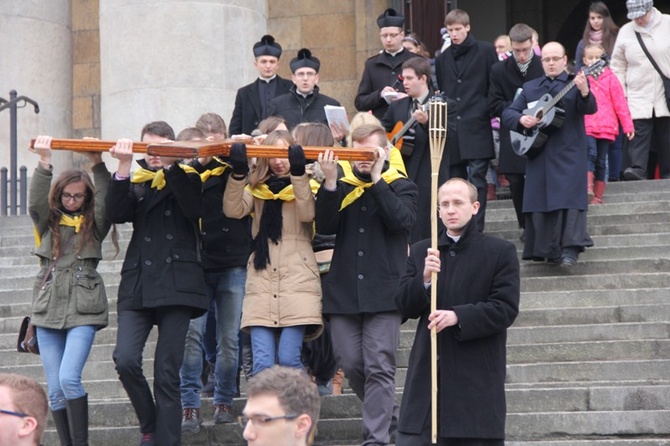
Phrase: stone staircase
[588,357]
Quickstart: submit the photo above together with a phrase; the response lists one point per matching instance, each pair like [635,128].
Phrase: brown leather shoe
[223,413]
[190,421]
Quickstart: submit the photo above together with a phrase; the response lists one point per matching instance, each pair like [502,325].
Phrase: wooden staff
[437,132]
[196,149]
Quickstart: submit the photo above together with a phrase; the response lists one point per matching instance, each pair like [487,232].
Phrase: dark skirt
[547,233]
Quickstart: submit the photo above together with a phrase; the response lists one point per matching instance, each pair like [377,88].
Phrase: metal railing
[13,181]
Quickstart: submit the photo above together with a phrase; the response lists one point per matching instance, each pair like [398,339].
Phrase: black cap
[267,47]
[390,18]
[305,59]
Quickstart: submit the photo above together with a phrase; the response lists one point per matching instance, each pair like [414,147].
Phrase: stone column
[36,61]
[174,60]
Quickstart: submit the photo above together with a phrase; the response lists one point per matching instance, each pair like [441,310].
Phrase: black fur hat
[267,47]
[305,59]
[390,18]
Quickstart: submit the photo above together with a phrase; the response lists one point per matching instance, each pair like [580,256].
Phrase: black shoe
[634,174]
[569,257]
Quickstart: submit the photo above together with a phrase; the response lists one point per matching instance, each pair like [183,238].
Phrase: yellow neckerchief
[157,177]
[217,171]
[263,192]
[65,220]
[389,176]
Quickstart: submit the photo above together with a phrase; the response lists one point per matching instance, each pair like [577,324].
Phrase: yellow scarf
[389,176]
[217,171]
[263,192]
[65,220]
[157,177]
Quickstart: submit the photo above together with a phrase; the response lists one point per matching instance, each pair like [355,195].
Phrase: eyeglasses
[76,197]
[307,74]
[258,420]
[389,36]
[15,414]
[552,59]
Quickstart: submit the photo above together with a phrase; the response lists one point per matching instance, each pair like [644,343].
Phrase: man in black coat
[380,84]
[371,210]
[554,200]
[415,142]
[162,279]
[303,103]
[462,72]
[506,79]
[251,102]
[478,290]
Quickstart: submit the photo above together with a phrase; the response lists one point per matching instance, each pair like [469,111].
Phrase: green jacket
[74,294]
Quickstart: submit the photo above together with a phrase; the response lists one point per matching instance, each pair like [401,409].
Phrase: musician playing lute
[555,200]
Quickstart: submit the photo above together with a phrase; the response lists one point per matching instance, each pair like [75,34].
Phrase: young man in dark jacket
[477,300]
[303,103]
[371,209]
[162,279]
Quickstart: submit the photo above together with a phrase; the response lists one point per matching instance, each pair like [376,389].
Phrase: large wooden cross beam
[196,149]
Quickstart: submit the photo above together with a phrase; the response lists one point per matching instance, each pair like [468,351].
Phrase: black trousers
[423,439]
[517,181]
[162,417]
[651,135]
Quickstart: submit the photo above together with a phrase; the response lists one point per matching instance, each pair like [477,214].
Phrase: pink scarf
[596,36]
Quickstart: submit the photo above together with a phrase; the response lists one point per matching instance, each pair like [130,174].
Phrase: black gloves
[238,159]
[296,157]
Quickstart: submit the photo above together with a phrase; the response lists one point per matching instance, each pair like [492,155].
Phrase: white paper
[336,114]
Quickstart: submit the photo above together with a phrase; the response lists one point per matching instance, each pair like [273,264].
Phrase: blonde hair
[261,171]
[28,397]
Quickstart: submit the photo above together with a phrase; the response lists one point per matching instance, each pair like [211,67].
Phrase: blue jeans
[64,354]
[226,289]
[264,346]
[597,157]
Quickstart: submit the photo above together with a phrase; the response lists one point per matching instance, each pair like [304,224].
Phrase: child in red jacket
[602,127]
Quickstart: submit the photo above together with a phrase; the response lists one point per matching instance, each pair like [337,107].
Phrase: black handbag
[666,80]
[27,342]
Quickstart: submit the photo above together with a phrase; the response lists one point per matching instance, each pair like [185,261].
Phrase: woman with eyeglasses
[69,300]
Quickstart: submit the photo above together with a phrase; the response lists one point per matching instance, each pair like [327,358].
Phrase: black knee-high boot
[62,426]
[77,416]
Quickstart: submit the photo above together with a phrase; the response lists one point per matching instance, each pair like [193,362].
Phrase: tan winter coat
[641,82]
[288,291]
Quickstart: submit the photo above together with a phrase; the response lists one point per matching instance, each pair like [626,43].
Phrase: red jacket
[612,108]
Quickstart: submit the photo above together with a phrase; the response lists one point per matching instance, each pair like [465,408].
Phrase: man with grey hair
[282,408]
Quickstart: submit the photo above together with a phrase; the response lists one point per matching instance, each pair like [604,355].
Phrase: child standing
[602,127]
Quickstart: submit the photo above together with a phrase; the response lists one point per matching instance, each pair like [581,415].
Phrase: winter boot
[589,186]
[598,191]
[77,416]
[62,427]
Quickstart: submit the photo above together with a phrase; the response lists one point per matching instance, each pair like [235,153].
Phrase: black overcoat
[226,242]
[247,112]
[556,179]
[465,79]
[505,80]
[418,164]
[381,70]
[371,245]
[479,280]
[295,108]
[163,265]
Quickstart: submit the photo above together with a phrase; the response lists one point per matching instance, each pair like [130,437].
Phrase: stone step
[526,426]
[512,233]
[597,441]
[585,267]
[603,281]
[561,372]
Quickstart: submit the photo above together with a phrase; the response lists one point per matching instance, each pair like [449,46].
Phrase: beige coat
[288,291]
[641,82]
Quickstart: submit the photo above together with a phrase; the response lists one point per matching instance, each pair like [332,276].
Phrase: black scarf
[460,49]
[271,223]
